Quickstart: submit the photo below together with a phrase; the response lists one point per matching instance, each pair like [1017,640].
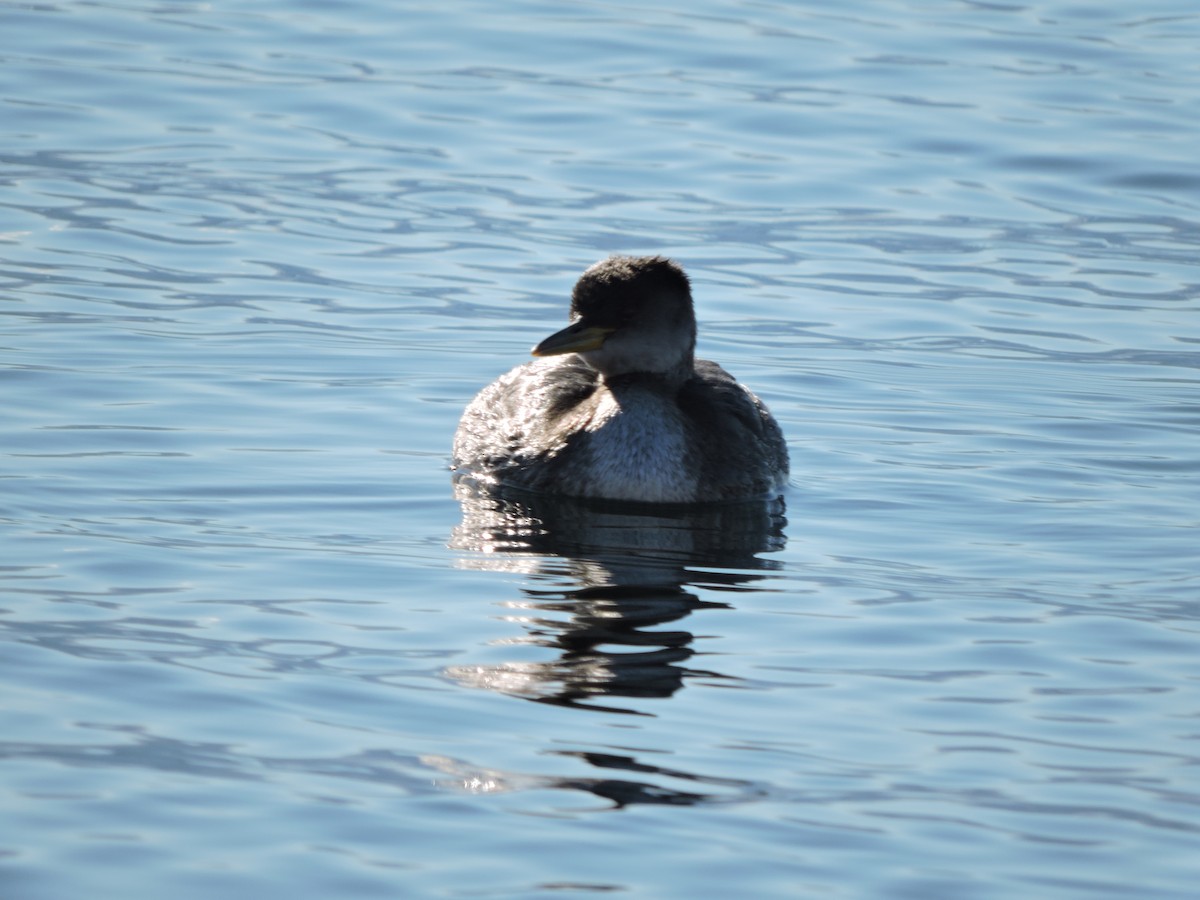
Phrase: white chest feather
[637,450]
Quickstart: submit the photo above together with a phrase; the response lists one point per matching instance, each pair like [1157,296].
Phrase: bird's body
[620,409]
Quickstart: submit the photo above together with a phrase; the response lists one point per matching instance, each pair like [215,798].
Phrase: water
[257,260]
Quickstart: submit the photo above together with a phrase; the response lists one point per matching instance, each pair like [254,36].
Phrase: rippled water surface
[257,258]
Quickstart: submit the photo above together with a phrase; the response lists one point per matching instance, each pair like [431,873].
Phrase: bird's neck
[665,379]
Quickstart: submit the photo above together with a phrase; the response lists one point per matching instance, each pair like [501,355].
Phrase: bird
[617,407]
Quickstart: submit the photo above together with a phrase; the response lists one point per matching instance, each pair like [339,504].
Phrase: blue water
[256,259]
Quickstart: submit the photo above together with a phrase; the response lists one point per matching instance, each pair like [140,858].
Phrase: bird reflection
[616,573]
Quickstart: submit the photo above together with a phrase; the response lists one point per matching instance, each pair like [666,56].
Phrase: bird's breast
[637,449]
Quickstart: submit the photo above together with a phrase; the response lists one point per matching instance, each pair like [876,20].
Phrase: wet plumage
[617,407]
